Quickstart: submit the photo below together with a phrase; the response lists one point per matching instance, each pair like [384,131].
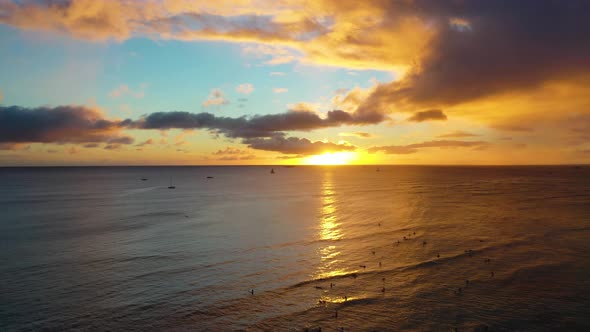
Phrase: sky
[177,82]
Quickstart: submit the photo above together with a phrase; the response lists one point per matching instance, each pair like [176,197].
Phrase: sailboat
[171,186]
[272,171]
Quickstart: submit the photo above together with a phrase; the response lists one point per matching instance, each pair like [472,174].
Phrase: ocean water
[100,249]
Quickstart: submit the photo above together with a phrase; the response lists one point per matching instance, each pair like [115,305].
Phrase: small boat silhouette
[272,171]
[171,186]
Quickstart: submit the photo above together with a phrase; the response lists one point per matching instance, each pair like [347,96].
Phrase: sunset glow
[253,83]
[331,158]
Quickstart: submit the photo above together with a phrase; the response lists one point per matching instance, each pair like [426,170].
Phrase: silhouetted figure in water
[336,314]
[423,243]
[437,255]
[414,233]
[383,279]
[363,266]
[379,224]
[345,298]
[383,290]
[373,252]
[379,264]
[460,290]
[466,282]
[492,274]
[252,291]
[331,285]
[405,238]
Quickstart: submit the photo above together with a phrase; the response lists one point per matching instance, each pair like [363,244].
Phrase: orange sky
[294,82]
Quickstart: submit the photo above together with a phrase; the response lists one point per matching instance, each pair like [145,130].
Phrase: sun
[330,158]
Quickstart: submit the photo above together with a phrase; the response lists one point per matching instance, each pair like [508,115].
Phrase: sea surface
[98,248]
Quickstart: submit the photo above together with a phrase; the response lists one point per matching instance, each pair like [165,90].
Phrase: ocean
[341,248]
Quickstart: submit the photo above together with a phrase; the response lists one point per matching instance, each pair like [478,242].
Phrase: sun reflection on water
[329,230]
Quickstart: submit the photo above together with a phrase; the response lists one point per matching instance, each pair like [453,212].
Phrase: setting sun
[331,158]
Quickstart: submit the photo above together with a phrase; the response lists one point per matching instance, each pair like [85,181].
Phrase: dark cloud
[504,46]
[77,124]
[62,124]
[457,134]
[146,142]
[233,158]
[358,134]
[113,146]
[295,145]
[413,148]
[230,151]
[255,126]
[14,146]
[428,115]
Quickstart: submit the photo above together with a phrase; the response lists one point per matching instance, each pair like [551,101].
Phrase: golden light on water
[329,230]
[331,158]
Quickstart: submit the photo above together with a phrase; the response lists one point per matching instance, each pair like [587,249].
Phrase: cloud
[326,31]
[14,146]
[427,116]
[512,127]
[358,134]
[277,73]
[230,151]
[351,100]
[457,134]
[62,124]
[504,50]
[216,97]
[146,142]
[233,158]
[113,146]
[254,126]
[308,107]
[413,148]
[124,90]
[279,90]
[295,145]
[245,88]
[277,54]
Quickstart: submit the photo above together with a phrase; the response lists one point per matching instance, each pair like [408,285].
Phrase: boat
[272,171]
[171,186]
[143,179]
[209,177]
